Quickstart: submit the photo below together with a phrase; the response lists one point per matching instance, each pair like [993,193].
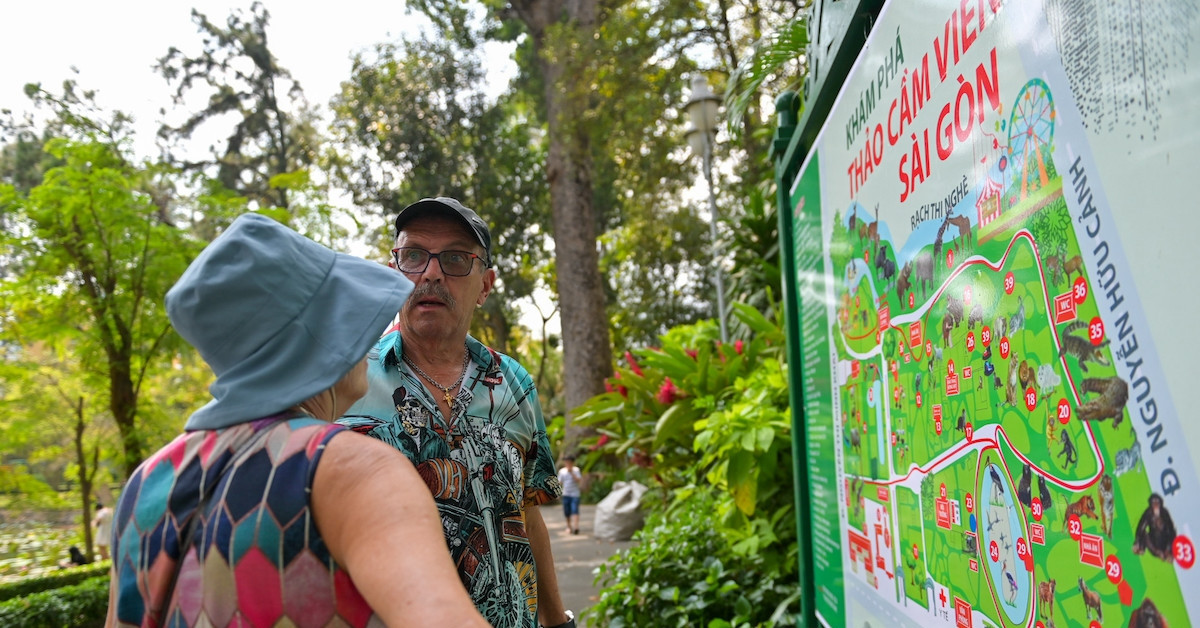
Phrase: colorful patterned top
[483,466]
[257,558]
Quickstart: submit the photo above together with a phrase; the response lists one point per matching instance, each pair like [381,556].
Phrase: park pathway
[575,556]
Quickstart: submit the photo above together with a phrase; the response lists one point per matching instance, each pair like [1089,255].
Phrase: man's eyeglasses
[453,263]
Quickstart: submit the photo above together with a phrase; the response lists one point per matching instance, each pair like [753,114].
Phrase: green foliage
[92,258]
[754,246]
[710,425]
[54,580]
[82,605]
[654,412]
[418,125]
[683,572]
[21,488]
[778,55]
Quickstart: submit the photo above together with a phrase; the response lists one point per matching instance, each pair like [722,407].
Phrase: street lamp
[702,111]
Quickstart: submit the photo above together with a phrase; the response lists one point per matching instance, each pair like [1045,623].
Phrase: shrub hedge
[82,605]
[62,578]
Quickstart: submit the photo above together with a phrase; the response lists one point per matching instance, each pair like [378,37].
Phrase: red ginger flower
[738,346]
[633,365]
[668,393]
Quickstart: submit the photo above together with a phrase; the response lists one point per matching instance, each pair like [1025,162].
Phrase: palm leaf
[768,58]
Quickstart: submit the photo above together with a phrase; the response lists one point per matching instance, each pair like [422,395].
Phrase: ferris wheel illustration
[1031,134]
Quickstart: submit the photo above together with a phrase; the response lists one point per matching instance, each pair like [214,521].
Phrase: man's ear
[489,280]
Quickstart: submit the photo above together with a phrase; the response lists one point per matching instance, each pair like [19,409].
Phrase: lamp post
[702,111]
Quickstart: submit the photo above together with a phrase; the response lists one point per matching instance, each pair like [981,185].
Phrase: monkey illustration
[1068,449]
[1155,530]
[1147,616]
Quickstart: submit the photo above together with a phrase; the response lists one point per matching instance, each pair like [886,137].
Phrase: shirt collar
[391,347]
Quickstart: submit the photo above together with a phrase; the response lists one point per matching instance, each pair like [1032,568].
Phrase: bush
[684,573]
[65,577]
[81,605]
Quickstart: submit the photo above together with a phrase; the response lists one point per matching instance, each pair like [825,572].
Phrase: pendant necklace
[446,390]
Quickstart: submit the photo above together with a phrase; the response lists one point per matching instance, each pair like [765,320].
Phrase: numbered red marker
[1184,551]
[970,431]
[1030,399]
[1004,347]
[970,341]
[1096,331]
[985,335]
[1064,411]
[1022,550]
[967,295]
[950,367]
[949,258]
[1039,624]
[928,347]
[1079,290]
[1036,507]
[918,398]
[1112,569]
[1074,527]
[942,490]
[969,500]
[1095,624]
[937,426]
[1010,282]
[916,553]
[912,300]
[994,552]
[893,439]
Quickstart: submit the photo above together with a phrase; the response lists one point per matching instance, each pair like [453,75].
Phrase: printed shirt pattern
[483,466]
[256,557]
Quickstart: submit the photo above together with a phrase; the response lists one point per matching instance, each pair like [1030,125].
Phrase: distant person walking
[572,482]
[102,522]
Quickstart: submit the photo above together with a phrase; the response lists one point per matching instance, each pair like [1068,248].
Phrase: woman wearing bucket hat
[263,511]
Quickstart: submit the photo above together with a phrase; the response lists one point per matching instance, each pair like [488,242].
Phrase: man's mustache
[435,290]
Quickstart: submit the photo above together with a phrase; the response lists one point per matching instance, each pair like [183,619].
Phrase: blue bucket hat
[278,317]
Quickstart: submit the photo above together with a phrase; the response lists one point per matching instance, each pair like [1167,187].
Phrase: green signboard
[990,245]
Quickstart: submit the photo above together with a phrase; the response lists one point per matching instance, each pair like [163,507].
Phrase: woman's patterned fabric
[256,558]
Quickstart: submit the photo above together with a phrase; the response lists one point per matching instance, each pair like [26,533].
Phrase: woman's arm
[379,522]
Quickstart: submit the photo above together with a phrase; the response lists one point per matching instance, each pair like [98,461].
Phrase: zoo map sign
[977,363]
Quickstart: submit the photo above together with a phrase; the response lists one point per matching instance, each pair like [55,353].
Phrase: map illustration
[991,470]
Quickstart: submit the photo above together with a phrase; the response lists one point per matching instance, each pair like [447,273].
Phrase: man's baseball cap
[447,206]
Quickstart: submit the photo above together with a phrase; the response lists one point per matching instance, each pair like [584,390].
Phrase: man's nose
[433,270]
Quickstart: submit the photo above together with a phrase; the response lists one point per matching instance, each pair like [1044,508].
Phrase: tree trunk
[123,405]
[587,349]
[85,480]
[587,352]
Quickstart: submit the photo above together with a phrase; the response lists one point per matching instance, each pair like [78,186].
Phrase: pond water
[34,548]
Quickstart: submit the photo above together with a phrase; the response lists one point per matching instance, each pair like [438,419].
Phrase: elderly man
[467,416]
